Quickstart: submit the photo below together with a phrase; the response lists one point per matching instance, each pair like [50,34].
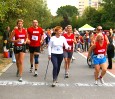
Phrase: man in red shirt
[20,35]
[35,35]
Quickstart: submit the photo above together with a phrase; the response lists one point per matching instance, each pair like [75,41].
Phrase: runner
[99,58]
[35,35]
[20,35]
[70,38]
[98,30]
[55,50]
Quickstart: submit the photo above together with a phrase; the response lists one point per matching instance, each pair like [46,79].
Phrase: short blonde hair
[19,20]
[69,26]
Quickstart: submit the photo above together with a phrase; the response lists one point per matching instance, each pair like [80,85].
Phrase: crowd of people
[61,44]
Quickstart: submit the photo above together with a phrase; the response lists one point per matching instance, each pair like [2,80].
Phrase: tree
[11,10]
[109,7]
[67,12]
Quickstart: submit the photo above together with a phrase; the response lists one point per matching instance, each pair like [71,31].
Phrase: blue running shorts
[99,61]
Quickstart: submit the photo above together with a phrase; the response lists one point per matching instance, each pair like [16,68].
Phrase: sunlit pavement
[79,85]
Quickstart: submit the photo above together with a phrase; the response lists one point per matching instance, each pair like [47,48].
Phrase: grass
[1,61]
[0,37]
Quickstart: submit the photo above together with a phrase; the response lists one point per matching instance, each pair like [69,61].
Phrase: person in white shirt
[55,52]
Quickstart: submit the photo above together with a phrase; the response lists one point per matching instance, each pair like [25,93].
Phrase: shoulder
[62,38]
[30,28]
[39,28]
[52,38]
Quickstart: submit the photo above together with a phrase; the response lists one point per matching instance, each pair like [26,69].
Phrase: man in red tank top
[35,35]
[98,30]
[20,40]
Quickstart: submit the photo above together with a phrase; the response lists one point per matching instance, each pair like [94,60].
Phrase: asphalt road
[80,84]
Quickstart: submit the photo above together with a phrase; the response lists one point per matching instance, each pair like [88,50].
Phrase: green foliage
[92,16]
[67,12]
[56,21]
[109,7]
[28,10]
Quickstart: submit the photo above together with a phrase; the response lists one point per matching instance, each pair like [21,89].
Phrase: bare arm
[106,38]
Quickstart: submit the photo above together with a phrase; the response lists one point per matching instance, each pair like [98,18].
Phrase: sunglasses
[99,29]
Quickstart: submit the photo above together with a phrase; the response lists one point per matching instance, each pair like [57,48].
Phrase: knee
[104,70]
[97,71]
[36,58]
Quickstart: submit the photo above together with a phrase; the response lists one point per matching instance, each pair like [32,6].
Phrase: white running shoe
[31,69]
[73,58]
[20,79]
[96,82]
[54,84]
[35,73]
[101,80]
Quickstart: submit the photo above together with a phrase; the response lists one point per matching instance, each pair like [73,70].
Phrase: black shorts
[34,49]
[18,49]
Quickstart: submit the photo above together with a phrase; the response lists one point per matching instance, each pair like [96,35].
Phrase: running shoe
[96,82]
[35,73]
[101,80]
[67,75]
[17,73]
[31,69]
[20,79]
[73,58]
[54,84]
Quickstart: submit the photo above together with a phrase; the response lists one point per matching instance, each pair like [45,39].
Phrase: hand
[28,41]
[24,43]
[41,41]
[18,40]
[69,48]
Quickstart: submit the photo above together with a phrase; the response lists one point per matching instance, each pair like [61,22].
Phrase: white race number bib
[100,56]
[35,38]
[21,42]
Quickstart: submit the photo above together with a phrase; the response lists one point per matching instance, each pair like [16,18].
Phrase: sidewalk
[110,70]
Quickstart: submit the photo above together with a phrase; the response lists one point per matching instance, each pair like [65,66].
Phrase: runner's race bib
[100,56]
[57,48]
[35,38]
[21,42]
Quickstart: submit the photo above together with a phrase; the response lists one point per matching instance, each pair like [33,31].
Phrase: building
[82,4]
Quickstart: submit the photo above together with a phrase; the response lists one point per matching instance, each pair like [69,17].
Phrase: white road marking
[107,70]
[16,83]
[5,68]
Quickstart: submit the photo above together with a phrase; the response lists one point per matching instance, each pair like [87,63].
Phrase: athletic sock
[31,65]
